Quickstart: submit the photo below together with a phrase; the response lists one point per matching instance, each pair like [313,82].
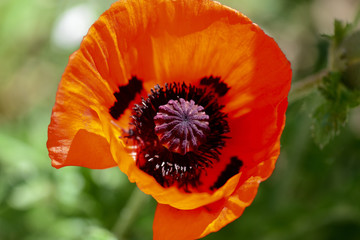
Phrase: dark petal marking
[219,87]
[231,170]
[124,96]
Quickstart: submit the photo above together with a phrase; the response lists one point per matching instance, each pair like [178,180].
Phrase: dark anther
[231,170]
[219,87]
[124,96]
[181,125]
[180,131]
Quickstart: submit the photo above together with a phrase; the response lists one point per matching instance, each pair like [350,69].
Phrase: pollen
[181,125]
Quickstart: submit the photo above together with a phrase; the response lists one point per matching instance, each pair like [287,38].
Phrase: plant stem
[129,213]
[303,87]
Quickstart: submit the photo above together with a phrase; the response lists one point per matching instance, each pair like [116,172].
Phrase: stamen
[169,113]
[181,125]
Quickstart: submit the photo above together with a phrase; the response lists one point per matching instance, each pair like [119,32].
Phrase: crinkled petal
[75,134]
[175,224]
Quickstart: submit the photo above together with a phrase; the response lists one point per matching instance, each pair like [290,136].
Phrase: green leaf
[328,120]
[341,30]
[332,114]
[350,48]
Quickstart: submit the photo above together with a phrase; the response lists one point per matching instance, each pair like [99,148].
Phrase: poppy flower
[187,97]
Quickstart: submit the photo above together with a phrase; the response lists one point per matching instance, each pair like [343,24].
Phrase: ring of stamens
[181,125]
[155,154]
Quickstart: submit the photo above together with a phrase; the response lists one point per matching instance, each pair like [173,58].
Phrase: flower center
[179,132]
[181,125]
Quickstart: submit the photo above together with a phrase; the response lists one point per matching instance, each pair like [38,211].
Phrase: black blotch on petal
[231,170]
[219,87]
[124,96]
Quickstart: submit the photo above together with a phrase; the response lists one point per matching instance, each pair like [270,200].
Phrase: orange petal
[254,134]
[254,139]
[85,95]
[222,43]
[87,150]
[175,224]
[172,223]
[263,80]
[80,101]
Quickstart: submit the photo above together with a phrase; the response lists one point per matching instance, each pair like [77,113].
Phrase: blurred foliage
[313,193]
[340,87]
[333,113]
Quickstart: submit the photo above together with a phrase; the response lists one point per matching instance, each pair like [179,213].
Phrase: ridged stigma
[181,125]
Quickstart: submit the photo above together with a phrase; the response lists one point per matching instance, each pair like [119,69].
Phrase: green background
[313,193]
